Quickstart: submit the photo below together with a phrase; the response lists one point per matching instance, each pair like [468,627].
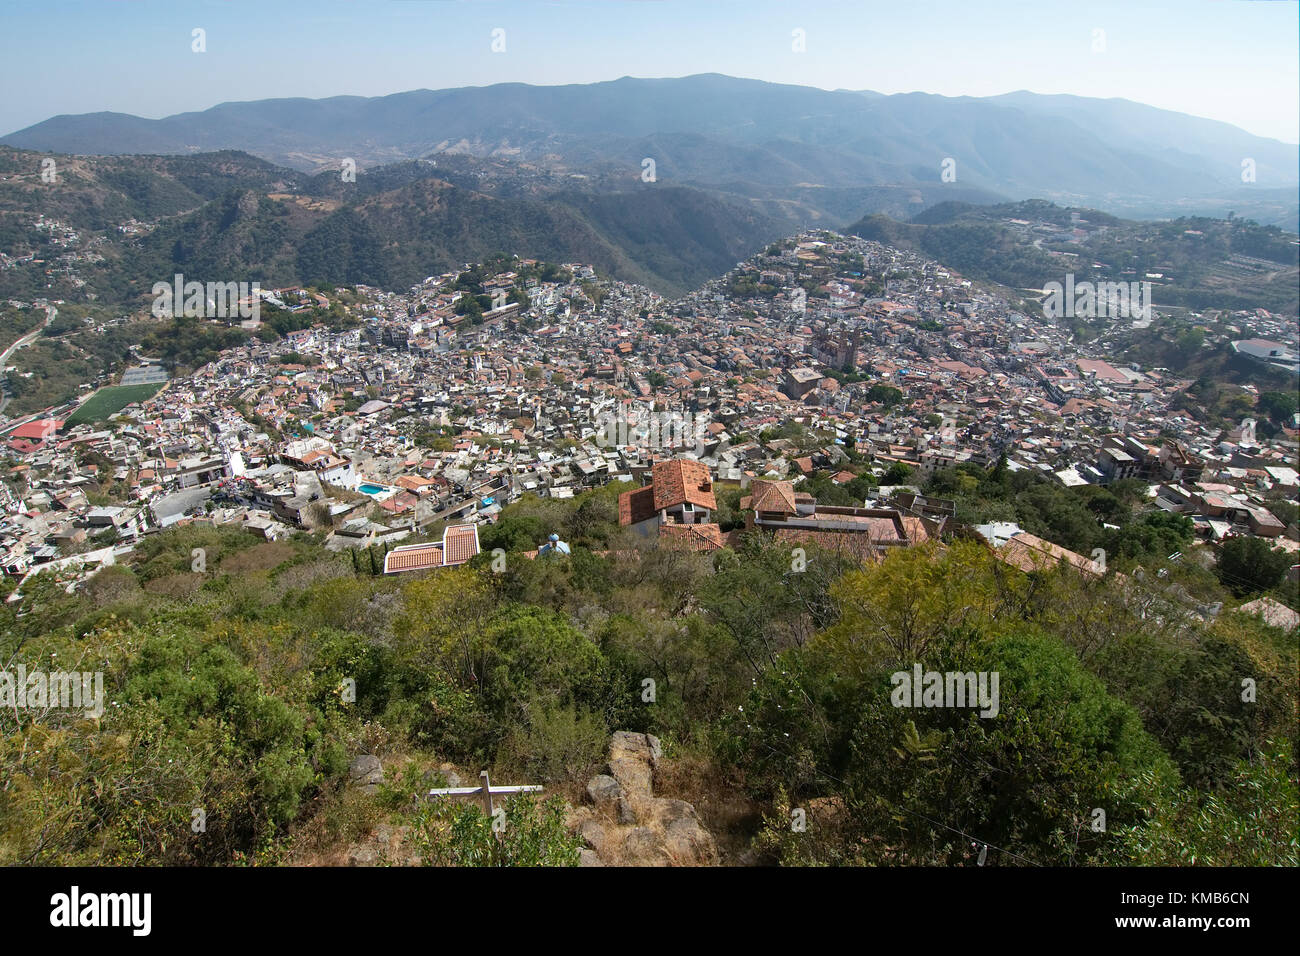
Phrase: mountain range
[827,157]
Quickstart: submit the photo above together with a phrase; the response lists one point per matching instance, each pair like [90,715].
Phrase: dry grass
[726,811]
[261,557]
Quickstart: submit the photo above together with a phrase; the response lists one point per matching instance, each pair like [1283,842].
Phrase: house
[798,382]
[677,505]
[1028,552]
[459,544]
[794,517]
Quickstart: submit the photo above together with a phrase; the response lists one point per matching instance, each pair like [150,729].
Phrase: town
[825,360]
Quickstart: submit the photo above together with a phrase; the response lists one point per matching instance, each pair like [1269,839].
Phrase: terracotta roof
[40,429]
[1273,612]
[1028,552]
[461,543]
[861,546]
[696,537]
[774,496]
[636,506]
[416,557]
[680,480]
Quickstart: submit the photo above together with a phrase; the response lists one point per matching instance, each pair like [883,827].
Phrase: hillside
[235,216]
[1225,264]
[729,134]
[302,702]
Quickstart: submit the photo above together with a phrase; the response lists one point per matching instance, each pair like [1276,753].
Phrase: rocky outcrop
[366,772]
[624,824]
[384,845]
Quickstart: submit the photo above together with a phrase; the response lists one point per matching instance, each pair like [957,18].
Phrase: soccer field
[109,400]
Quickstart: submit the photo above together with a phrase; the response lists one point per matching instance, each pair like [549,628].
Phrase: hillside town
[424,419]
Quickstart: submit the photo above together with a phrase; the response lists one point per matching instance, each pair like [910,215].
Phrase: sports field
[109,400]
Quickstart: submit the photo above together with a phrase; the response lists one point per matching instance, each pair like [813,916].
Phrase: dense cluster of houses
[420,416]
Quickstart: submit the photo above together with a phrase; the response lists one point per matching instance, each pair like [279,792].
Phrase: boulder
[626,812]
[689,844]
[603,791]
[364,855]
[366,772]
[642,848]
[634,775]
[594,835]
[450,775]
[665,811]
[626,824]
[644,747]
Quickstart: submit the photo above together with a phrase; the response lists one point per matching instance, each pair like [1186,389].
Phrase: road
[50,313]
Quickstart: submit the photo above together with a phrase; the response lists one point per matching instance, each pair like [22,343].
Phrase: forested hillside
[227,691]
[1228,264]
[232,217]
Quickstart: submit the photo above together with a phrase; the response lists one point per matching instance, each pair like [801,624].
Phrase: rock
[594,835]
[624,743]
[641,847]
[632,759]
[666,812]
[603,791]
[689,844]
[450,775]
[364,855]
[366,772]
[656,750]
[626,814]
[626,824]
[634,776]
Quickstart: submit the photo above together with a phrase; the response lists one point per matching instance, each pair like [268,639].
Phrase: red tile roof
[680,480]
[416,557]
[696,537]
[38,430]
[774,496]
[1028,552]
[461,543]
[636,506]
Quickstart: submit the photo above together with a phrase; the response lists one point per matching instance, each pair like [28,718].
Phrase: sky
[1231,60]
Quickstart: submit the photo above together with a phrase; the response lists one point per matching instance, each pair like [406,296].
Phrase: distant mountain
[764,141]
[235,217]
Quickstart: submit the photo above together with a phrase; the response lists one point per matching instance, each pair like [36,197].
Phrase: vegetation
[228,691]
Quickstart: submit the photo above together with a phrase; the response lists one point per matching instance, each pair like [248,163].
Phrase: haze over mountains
[828,156]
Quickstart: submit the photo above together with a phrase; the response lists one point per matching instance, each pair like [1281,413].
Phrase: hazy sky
[1232,60]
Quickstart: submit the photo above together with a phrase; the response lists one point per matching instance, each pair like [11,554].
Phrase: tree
[896,474]
[1278,406]
[1249,565]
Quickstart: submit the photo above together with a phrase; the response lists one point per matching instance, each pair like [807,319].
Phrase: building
[459,544]
[796,518]
[677,505]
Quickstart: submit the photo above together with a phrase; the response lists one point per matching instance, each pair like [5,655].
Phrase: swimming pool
[366,488]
